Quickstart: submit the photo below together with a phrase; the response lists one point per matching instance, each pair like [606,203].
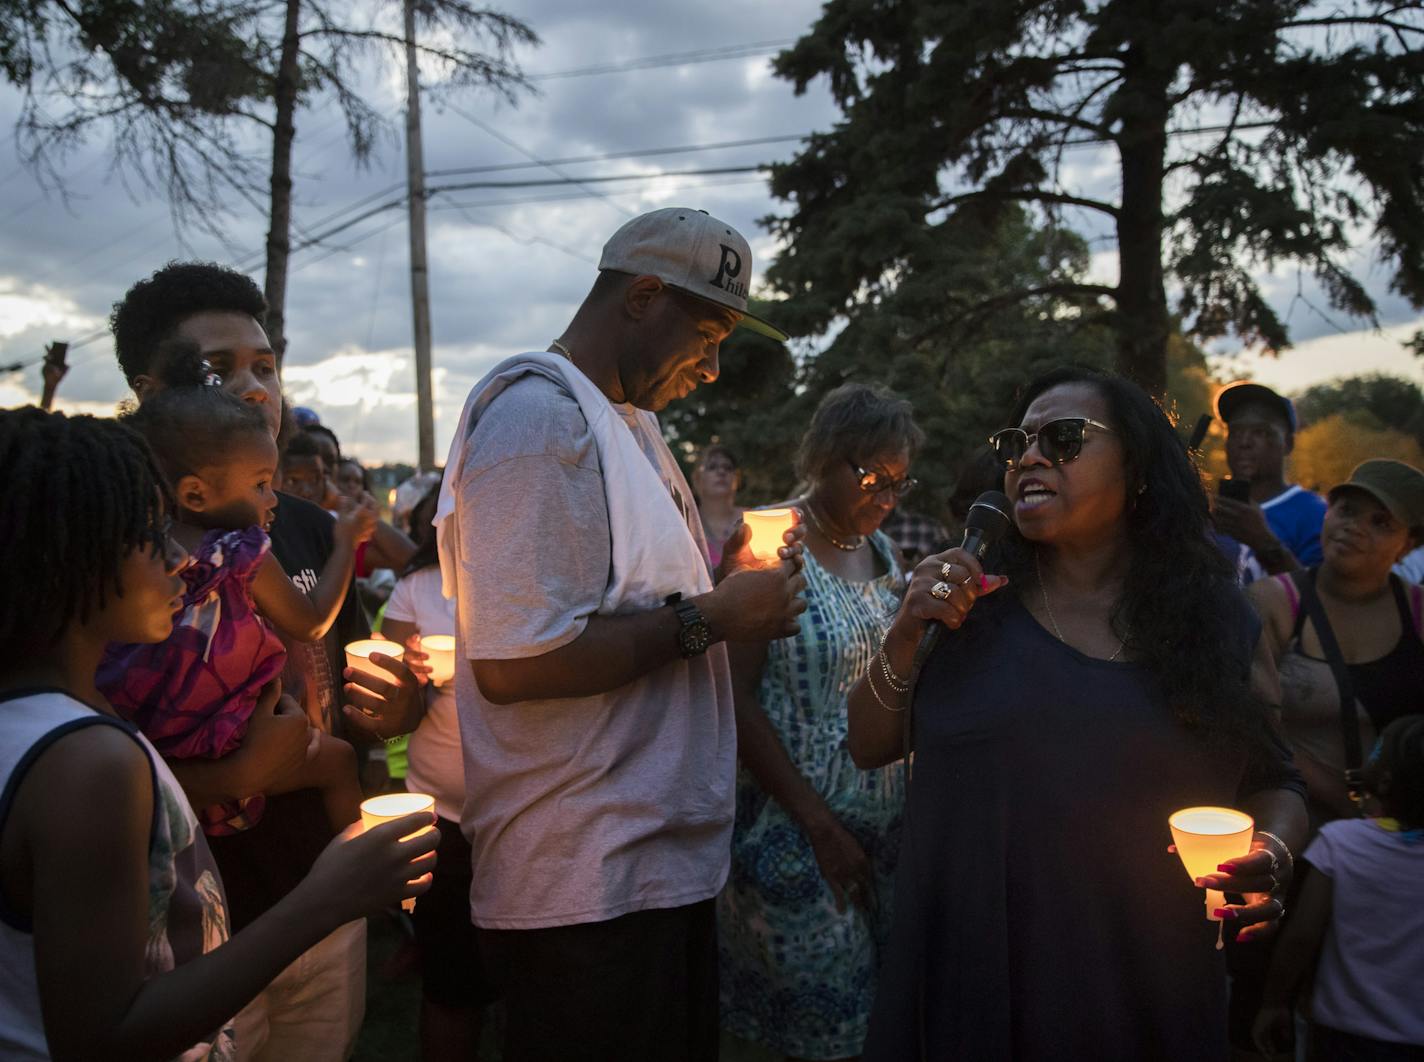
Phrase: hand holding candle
[358,656]
[768,530]
[378,809]
[440,648]
[1206,838]
[363,870]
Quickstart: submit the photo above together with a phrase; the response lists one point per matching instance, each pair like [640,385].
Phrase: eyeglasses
[1060,441]
[873,482]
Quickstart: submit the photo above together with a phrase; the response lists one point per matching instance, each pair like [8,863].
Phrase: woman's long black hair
[80,494]
[1180,610]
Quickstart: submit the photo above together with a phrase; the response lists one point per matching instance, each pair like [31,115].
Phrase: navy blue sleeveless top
[1038,913]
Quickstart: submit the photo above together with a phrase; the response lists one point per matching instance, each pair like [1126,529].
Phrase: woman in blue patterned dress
[806,909]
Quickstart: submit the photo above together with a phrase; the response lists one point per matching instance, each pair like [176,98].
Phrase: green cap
[1395,485]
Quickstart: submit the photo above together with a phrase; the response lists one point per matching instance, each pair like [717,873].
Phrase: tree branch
[995,303]
[1033,114]
[1387,23]
[1036,195]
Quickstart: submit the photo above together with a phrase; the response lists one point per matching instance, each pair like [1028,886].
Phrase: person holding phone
[1265,525]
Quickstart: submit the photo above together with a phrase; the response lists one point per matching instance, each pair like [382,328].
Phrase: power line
[463,186]
[609,156]
[451,204]
[606,178]
[550,166]
[652,62]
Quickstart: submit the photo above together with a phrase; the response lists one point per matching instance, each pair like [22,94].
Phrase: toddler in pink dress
[194,694]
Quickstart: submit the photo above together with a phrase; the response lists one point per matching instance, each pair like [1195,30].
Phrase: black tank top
[1393,685]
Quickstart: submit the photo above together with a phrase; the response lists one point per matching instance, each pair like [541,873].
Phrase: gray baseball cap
[692,251]
[1395,485]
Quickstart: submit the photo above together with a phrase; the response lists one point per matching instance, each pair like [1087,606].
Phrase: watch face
[693,639]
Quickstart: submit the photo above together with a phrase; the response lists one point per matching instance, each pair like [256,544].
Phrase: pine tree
[1308,126]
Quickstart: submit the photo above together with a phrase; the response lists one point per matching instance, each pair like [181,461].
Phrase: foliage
[1391,402]
[1246,133]
[1327,450]
[165,78]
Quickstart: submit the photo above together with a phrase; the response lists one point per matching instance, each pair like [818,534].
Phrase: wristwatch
[693,636]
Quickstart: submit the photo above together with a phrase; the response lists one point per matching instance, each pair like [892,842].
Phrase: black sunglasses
[872,482]
[1060,441]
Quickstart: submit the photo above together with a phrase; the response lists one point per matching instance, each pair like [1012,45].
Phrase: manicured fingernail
[1225,914]
[1227,868]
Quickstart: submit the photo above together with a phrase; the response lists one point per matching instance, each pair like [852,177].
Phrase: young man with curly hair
[313,1010]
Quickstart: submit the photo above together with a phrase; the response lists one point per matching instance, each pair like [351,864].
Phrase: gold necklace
[845,546]
[1043,589]
[565,351]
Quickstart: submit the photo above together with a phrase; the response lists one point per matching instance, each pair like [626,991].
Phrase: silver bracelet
[1275,863]
[895,682]
[1290,857]
[870,678]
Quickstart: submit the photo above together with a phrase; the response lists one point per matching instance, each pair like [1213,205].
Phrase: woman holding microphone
[1101,674]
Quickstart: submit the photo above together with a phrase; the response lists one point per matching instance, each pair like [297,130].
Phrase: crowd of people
[876,795]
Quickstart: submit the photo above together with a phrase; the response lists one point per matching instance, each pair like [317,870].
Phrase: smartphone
[1235,489]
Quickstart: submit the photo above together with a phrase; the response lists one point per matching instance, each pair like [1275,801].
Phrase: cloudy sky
[508,265]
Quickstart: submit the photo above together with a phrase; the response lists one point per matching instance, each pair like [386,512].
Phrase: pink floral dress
[192,695]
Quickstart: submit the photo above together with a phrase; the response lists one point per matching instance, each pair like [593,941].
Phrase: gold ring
[941,590]
[945,569]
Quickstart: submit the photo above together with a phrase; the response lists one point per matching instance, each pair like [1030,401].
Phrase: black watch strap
[693,634]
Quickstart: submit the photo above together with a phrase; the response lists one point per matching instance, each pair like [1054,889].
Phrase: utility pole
[419,273]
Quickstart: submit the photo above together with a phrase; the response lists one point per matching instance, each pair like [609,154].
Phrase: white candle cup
[440,648]
[358,656]
[1205,838]
[378,809]
[769,526]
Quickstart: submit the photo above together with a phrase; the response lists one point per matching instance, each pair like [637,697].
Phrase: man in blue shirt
[1278,530]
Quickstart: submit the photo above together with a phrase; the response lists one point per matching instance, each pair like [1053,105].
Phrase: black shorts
[640,987]
[450,968]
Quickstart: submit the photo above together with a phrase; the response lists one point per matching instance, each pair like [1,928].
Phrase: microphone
[985,527]
[987,522]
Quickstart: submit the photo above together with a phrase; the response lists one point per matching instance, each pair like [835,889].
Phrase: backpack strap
[1291,583]
[1349,709]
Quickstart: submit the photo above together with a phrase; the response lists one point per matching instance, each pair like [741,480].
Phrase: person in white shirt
[593,690]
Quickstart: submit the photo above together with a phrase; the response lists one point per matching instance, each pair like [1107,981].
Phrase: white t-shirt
[579,809]
[436,764]
[1411,568]
[1370,980]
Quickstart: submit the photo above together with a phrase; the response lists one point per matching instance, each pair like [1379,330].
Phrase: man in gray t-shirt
[599,742]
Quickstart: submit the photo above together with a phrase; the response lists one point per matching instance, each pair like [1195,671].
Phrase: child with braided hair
[114,937]
[193,694]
